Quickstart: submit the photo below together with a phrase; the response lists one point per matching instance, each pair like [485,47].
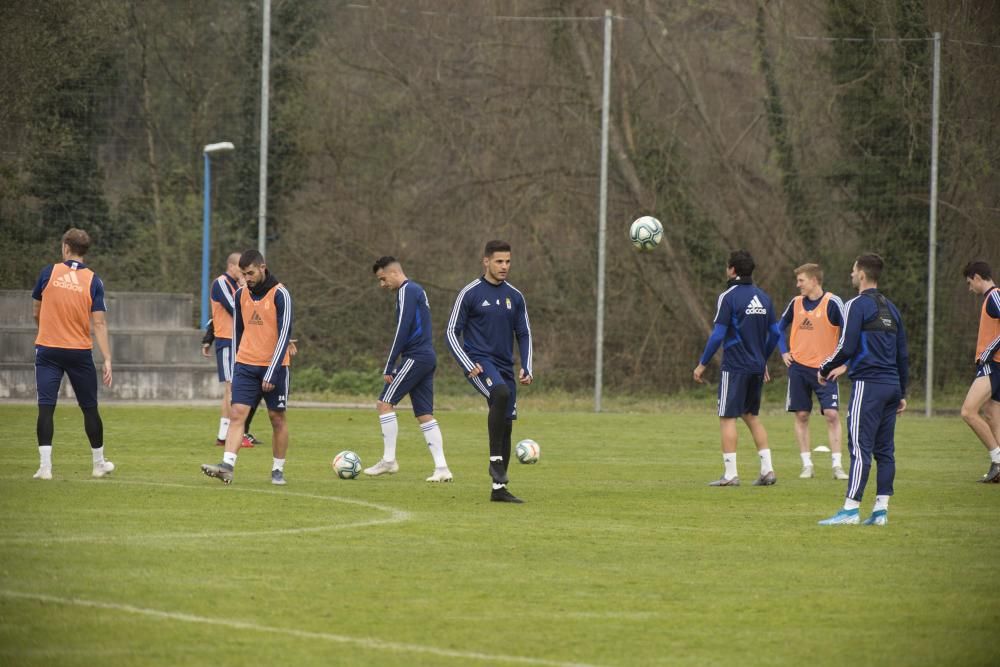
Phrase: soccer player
[873,345]
[986,386]
[746,328]
[488,314]
[68,302]
[262,328]
[815,317]
[414,344]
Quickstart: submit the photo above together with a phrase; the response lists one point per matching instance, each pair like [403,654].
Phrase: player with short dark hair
[262,328]
[488,314]
[413,345]
[873,345]
[745,327]
[984,394]
[68,303]
[814,319]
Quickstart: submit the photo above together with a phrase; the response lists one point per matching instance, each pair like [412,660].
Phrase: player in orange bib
[984,394]
[69,300]
[262,328]
[814,320]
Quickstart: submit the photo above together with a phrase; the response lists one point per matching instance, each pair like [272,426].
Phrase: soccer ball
[347,464]
[646,232]
[528,451]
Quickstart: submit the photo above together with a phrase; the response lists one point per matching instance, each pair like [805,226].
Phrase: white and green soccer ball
[347,464]
[528,451]
[646,232]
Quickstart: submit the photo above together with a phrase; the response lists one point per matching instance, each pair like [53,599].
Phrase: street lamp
[206,232]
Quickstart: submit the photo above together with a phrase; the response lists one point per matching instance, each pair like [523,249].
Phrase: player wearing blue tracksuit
[413,347]
[873,347]
[488,314]
[746,329]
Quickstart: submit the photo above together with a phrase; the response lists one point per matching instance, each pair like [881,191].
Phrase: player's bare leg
[390,430]
[279,445]
[759,433]
[835,435]
[975,400]
[435,445]
[729,436]
[234,437]
[802,437]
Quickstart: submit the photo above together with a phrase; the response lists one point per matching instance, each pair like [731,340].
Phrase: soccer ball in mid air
[347,464]
[646,232]
[528,451]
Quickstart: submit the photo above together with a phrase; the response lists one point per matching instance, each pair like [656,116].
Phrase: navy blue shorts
[224,359]
[416,379]
[491,376]
[739,394]
[52,362]
[991,369]
[802,384]
[247,388]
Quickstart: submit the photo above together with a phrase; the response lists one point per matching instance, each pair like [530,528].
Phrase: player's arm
[36,293]
[902,353]
[237,330]
[850,335]
[99,322]
[784,323]
[522,329]
[453,332]
[773,334]
[283,313]
[723,312]
[220,294]
[405,315]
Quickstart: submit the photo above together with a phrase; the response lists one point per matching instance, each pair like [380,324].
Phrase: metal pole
[602,224]
[265,70]
[206,230]
[932,233]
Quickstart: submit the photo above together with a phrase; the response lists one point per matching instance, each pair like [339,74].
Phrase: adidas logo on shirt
[486,302]
[255,318]
[68,281]
[755,307]
[806,324]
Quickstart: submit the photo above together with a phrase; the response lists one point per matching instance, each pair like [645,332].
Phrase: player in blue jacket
[413,346]
[747,330]
[488,313]
[872,351]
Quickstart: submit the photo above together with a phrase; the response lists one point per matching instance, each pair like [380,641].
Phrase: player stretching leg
[984,394]
[414,375]
[488,313]
[744,321]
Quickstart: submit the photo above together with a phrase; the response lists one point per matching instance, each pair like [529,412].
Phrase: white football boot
[383,467]
[103,469]
[440,475]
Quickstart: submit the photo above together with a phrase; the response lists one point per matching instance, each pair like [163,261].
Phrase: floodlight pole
[265,71]
[602,216]
[206,228]
[932,232]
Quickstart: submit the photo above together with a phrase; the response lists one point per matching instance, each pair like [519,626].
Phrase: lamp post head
[220,147]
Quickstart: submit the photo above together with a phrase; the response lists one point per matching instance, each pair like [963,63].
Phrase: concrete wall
[156,351]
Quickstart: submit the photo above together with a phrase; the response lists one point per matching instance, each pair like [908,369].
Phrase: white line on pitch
[395,516]
[362,642]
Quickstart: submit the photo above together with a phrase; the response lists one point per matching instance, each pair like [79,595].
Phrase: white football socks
[837,459]
[851,504]
[807,458]
[98,454]
[229,458]
[390,430]
[881,503]
[729,461]
[279,464]
[765,461]
[223,428]
[995,455]
[435,442]
[45,456]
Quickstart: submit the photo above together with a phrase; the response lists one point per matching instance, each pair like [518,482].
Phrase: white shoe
[383,467]
[103,468]
[807,472]
[44,472]
[440,475]
[838,473]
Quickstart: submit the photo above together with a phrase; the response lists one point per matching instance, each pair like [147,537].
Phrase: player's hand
[836,373]
[902,406]
[204,351]
[387,377]
[476,370]
[787,358]
[267,387]
[107,372]
[699,370]
[767,375]
[524,378]
[293,349]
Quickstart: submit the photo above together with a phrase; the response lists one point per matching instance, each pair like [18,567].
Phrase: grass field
[621,556]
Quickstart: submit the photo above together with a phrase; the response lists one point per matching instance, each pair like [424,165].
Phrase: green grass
[622,555]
